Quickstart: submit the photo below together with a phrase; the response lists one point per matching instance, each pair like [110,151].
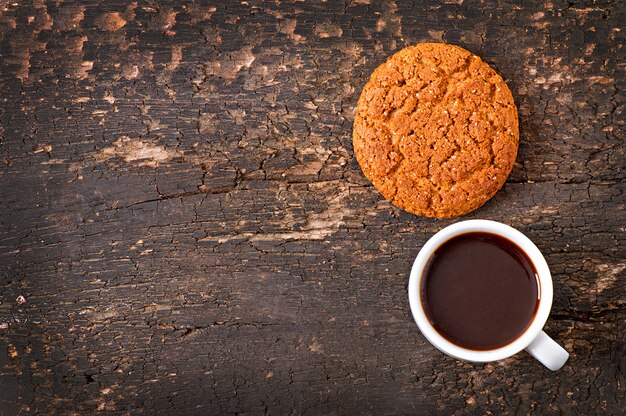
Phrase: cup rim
[503,230]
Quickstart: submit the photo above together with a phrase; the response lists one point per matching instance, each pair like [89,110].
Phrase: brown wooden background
[184,229]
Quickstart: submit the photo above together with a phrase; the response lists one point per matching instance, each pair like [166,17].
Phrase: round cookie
[436,130]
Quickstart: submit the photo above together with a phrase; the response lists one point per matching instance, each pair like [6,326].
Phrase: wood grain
[184,229]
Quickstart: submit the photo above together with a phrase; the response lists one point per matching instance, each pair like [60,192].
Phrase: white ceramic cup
[534,340]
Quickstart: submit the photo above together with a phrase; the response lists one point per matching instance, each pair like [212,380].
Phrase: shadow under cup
[480,290]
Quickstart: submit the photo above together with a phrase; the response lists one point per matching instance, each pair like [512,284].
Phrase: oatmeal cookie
[436,130]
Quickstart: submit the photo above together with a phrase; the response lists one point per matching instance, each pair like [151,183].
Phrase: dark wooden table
[184,228]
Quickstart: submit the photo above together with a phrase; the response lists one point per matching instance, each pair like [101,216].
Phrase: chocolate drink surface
[480,291]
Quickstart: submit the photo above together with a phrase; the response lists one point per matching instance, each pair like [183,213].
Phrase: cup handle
[548,352]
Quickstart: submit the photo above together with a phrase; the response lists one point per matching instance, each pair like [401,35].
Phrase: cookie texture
[436,130]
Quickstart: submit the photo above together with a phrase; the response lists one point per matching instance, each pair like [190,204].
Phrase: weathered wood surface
[184,229]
